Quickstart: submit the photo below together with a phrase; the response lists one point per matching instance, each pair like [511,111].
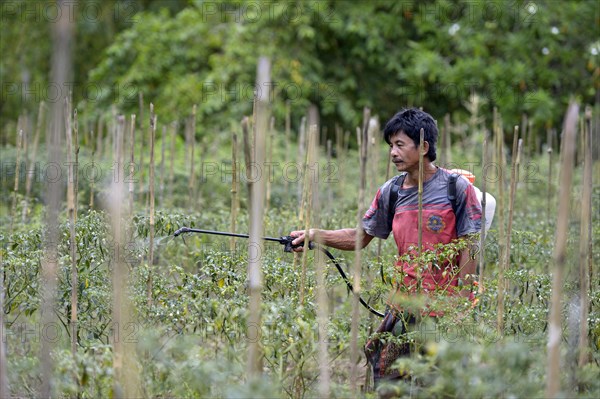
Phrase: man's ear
[425,148]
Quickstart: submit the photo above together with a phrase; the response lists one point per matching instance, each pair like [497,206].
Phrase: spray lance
[286,241]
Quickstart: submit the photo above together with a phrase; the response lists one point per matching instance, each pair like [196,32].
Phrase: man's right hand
[299,237]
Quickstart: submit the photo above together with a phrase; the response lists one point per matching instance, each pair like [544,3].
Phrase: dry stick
[142,196]
[550,191]
[4,388]
[62,35]
[126,374]
[234,189]
[270,139]
[161,183]
[514,177]
[131,165]
[499,135]
[151,186]
[329,167]
[192,181]
[305,207]
[363,146]
[76,165]
[30,173]
[263,75]
[483,221]
[380,242]
[560,251]
[300,159]
[288,131]
[447,140]
[585,240]
[172,159]
[321,293]
[73,243]
[247,155]
[16,186]
[420,207]
[92,180]
[99,138]
[526,136]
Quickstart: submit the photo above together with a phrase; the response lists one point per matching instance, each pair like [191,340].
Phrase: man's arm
[467,266]
[344,239]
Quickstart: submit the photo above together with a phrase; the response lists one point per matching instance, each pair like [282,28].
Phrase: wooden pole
[192,182]
[550,183]
[560,252]
[363,147]
[514,177]
[483,220]
[13,213]
[149,296]
[234,189]
[420,203]
[161,184]
[499,136]
[172,159]
[33,155]
[141,195]
[131,164]
[61,63]
[263,75]
[73,243]
[585,240]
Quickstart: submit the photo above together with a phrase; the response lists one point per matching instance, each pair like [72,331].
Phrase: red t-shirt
[440,225]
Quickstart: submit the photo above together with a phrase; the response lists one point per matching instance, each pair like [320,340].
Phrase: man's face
[404,153]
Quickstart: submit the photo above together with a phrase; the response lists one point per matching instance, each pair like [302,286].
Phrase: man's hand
[300,236]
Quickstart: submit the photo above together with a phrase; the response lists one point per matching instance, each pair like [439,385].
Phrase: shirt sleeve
[378,219]
[468,209]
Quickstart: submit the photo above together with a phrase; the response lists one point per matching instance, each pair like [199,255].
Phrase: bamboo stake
[192,181]
[329,165]
[446,136]
[151,187]
[560,251]
[550,190]
[380,242]
[234,190]
[62,35]
[420,201]
[126,373]
[514,176]
[131,163]
[76,165]
[499,135]
[16,186]
[172,160]
[585,240]
[301,157]
[72,220]
[324,388]
[248,161]
[483,221]
[4,388]
[354,356]
[99,138]
[33,156]
[92,181]
[263,75]
[161,183]
[141,194]
[270,139]
[288,144]
[305,207]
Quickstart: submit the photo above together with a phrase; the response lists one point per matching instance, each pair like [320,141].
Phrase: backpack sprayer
[286,241]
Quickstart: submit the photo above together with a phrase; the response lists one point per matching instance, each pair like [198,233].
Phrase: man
[443,222]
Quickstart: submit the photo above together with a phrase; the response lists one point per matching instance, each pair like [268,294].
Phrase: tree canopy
[522,56]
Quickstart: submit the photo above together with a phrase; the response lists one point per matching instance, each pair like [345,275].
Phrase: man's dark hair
[410,121]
